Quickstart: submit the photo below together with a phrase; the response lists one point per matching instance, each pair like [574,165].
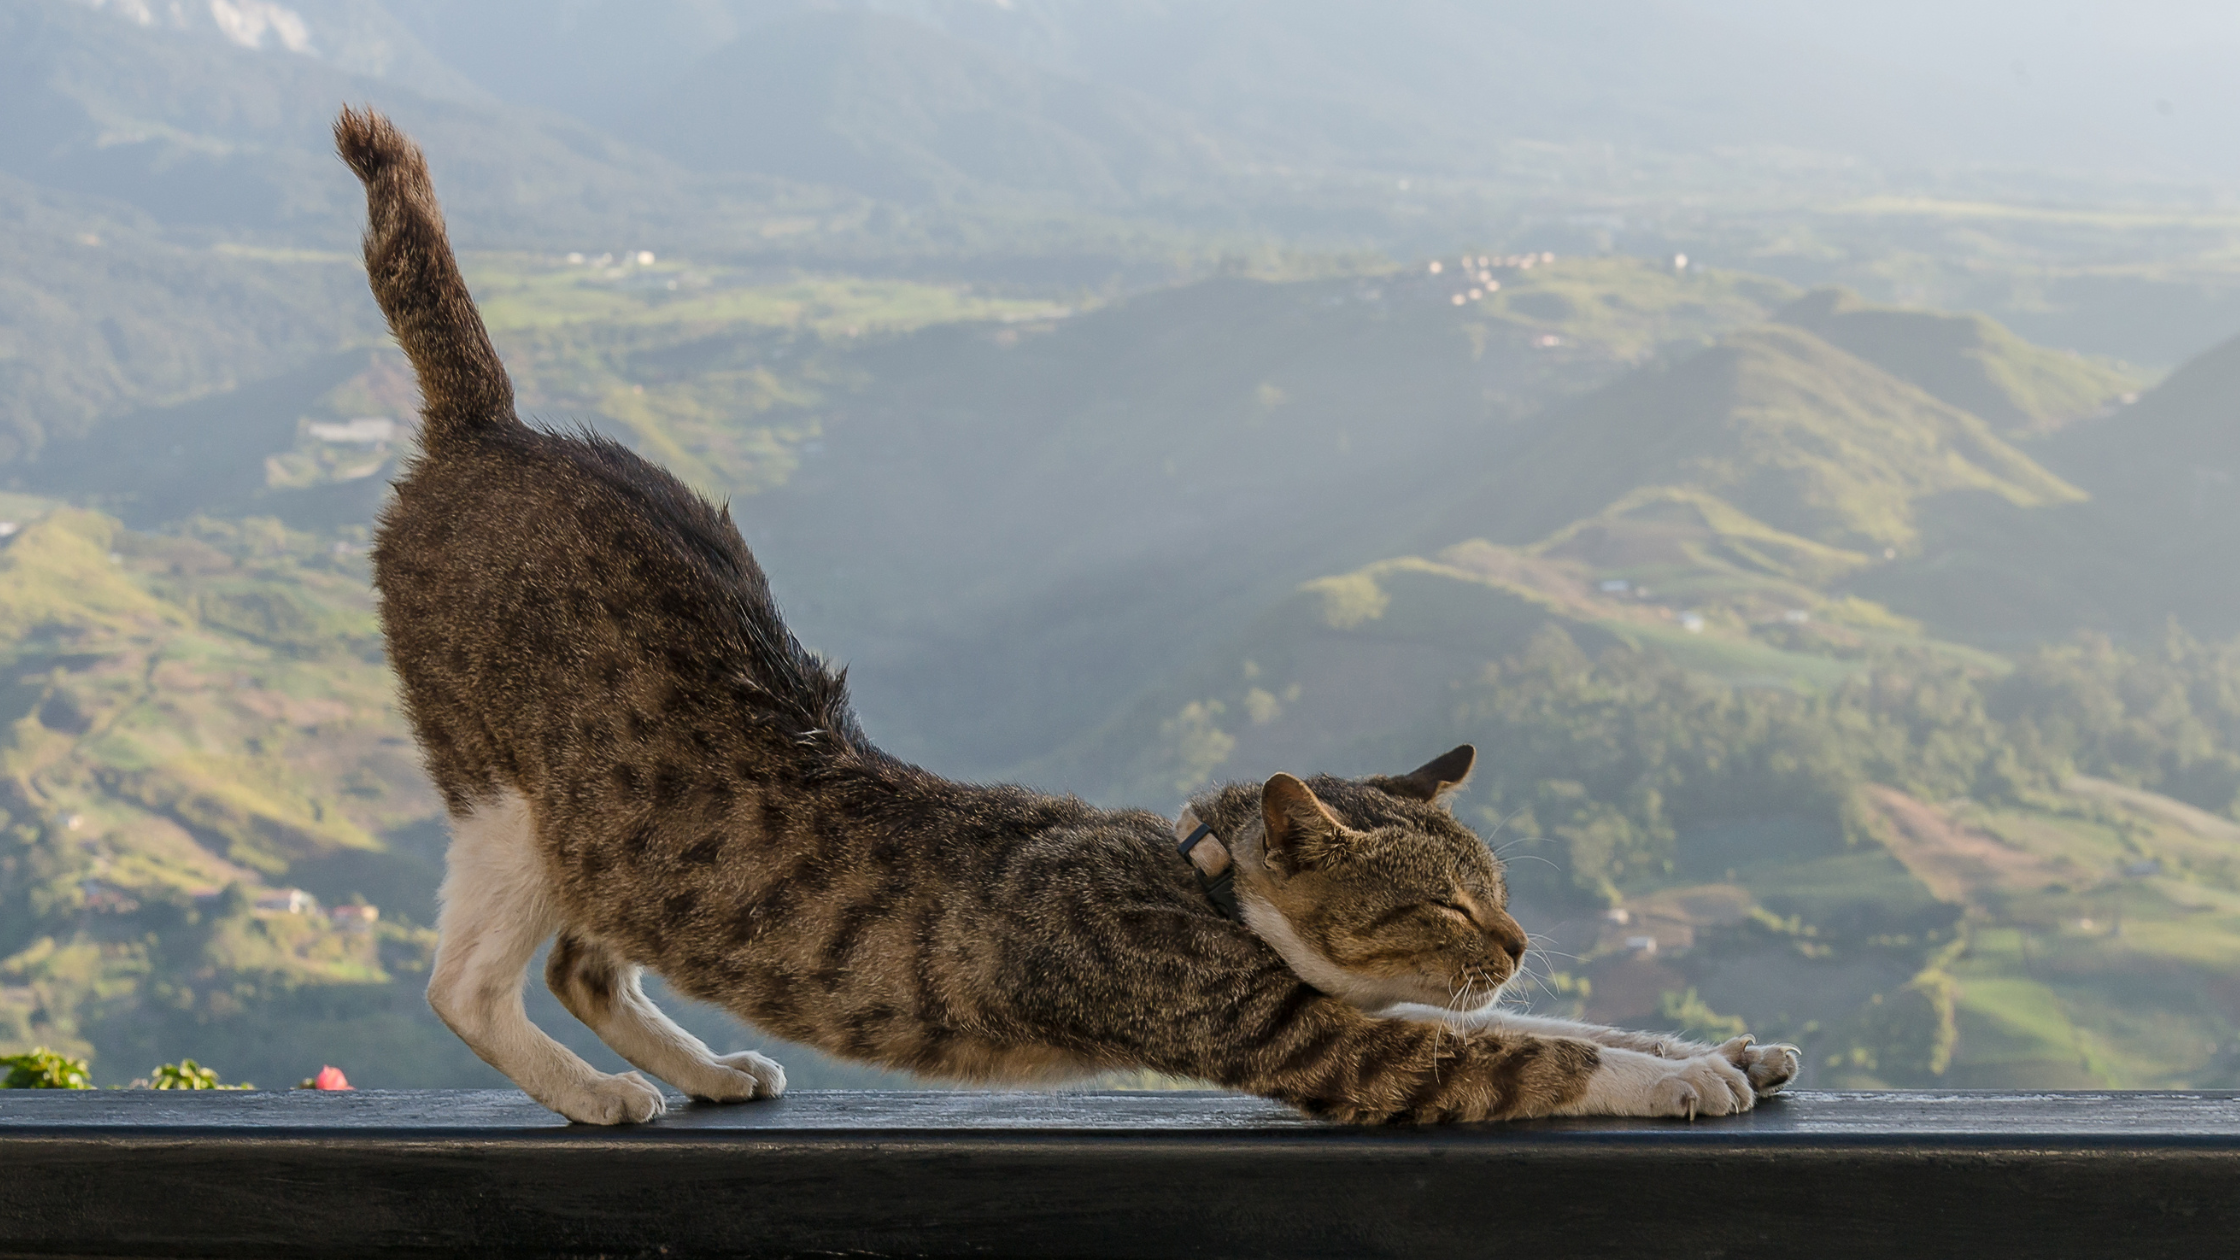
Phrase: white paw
[1769,1067]
[1707,1085]
[737,1078]
[1630,1083]
[627,1098]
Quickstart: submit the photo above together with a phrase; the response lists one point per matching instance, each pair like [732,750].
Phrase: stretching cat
[640,759]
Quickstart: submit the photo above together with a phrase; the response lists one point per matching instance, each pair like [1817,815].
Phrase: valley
[1826,557]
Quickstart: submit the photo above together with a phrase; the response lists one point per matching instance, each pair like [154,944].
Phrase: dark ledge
[1112,1174]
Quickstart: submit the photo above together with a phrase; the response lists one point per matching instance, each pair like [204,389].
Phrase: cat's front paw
[1769,1067]
[626,1098]
[743,1076]
[1708,1085]
[1629,1083]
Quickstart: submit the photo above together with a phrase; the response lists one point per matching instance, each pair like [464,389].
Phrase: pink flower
[330,1078]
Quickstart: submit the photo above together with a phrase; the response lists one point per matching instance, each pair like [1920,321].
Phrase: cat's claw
[728,1078]
[1707,1085]
[625,1098]
[741,1077]
[1631,1083]
[1769,1067]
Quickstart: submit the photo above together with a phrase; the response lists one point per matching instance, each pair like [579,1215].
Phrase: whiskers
[1533,970]
[1506,819]
[1501,853]
[1451,1018]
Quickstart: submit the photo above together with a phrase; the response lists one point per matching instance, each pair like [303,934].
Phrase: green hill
[101,314]
[203,779]
[191,721]
[1799,434]
[1733,788]
[1706,830]
[1354,669]
[1685,539]
[1968,360]
[1692,707]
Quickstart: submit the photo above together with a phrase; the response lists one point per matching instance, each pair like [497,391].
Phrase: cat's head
[1371,888]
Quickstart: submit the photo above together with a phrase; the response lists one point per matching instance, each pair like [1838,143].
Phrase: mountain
[1159,541]
[1008,529]
[2143,549]
[1728,825]
[178,225]
[1006,330]
[1248,435]
[1717,810]
[1968,360]
[187,715]
[896,110]
[358,37]
[1488,88]
[1709,754]
[1791,430]
[103,313]
[1353,670]
[197,131]
[2166,464]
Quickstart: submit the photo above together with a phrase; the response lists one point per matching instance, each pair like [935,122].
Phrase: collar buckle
[1209,857]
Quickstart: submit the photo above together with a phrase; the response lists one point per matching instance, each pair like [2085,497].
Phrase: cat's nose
[1510,937]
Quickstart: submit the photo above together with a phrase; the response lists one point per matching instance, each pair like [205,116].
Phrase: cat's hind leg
[605,992]
[497,908]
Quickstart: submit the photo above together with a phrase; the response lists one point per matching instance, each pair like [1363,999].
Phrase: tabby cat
[640,761]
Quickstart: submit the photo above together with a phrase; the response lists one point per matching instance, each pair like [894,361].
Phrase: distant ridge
[1966,359]
[2175,454]
[894,109]
[2155,541]
[1793,431]
[202,134]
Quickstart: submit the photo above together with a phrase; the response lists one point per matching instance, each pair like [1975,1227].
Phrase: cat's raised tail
[416,280]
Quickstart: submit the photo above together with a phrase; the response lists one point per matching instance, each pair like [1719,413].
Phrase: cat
[641,763]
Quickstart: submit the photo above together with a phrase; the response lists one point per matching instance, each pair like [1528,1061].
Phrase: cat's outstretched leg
[497,908]
[605,992]
[1328,1057]
[1769,1066]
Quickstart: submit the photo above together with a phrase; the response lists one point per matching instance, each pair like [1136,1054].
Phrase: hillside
[1732,788]
[101,314]
[1353,669]
[1157,540]
[1137,393]
[1708,831]
[203,782]
[2164,467]
[1791,430]
[193,721]
[1967,360]
[1009,529]
[2161,515]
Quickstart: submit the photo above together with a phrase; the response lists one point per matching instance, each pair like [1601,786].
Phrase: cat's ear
[1301,830]
[1427,781]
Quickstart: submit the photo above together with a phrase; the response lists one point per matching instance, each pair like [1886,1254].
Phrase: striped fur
[642,761]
